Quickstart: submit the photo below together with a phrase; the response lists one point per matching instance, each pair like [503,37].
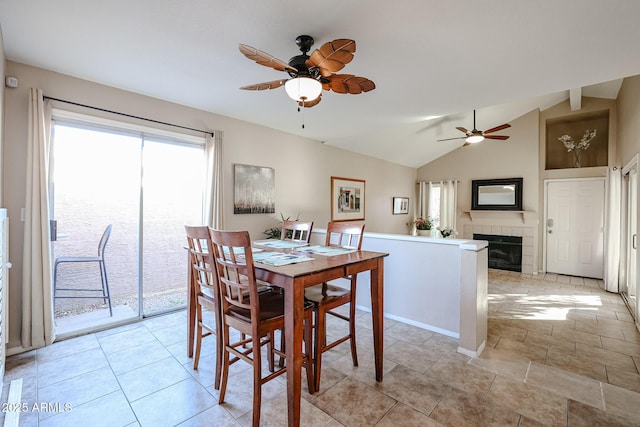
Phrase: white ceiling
[427,58]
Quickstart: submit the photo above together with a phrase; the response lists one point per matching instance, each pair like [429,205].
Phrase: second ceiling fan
[475,135]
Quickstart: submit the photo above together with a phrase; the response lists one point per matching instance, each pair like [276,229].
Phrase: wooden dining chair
[256,315]
[326,297]
[296,231]
[203,277]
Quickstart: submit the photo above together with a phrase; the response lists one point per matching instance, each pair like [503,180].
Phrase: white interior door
[575,227]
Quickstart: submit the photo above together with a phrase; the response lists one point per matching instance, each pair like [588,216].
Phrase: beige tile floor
[561,351]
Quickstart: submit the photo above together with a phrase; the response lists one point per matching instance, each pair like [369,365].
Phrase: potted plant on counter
[423,226]
[447,232]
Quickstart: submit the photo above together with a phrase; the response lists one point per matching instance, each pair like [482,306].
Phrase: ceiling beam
[575,98]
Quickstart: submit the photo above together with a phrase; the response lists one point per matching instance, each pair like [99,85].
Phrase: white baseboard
[472,353]
[17,350]
[414,323]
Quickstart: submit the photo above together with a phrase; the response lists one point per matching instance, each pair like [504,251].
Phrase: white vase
[424,233]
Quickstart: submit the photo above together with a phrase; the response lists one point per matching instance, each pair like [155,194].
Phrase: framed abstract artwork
[254,189]
[347,199]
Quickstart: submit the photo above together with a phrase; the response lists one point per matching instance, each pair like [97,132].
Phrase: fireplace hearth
[505,252]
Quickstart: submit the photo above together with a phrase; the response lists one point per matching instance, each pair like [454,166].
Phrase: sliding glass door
[172,197]
[148,187]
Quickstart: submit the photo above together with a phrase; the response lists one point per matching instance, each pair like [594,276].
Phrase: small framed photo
[347,199]
[400,205]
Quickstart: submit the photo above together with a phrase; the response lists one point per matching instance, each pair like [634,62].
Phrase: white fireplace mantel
[493,214]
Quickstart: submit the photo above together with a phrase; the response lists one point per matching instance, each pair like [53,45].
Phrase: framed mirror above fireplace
[503,194]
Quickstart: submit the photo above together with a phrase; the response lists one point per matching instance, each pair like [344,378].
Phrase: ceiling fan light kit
[303,89]
[474,136]
[311,74]
[474,139]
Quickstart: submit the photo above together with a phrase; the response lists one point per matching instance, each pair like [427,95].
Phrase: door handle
[634,241]
[53,229]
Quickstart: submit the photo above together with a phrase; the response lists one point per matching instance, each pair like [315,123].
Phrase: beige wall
[303,167]
[522,155]
[515,157]
[563,109]
[628,120]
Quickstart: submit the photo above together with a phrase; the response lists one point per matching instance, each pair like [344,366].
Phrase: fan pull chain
[302,112]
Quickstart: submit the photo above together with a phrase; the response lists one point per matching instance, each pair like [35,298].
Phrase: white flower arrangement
[579,147]
[447,231]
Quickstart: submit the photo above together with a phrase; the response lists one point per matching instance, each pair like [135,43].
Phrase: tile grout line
[526,374]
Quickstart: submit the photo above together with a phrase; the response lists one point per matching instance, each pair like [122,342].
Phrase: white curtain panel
[448,201]
[448,204]
[37,295]
[423,200]
[213,185]
[612,230]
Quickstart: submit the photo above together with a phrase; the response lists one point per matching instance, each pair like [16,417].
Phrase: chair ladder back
[202,267]
[296,231]
[236,275]
[344,234]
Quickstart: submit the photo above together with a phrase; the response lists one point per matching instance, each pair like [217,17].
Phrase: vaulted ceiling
[426,57]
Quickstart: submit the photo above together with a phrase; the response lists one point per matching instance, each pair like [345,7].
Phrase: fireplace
[505,252]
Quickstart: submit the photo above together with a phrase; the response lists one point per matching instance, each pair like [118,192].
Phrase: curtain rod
[126,115]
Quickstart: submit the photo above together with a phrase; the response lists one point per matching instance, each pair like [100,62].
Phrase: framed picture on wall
[254,189]
[400,205]
[347,199]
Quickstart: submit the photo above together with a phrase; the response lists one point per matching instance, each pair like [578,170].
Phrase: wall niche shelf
[477,214]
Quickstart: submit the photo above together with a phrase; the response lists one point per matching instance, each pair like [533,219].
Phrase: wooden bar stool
[256,315]
[206,293]
[326,297]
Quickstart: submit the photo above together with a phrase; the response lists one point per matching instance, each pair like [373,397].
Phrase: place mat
[240,251]
[279,244]
[279,258]
[326,250]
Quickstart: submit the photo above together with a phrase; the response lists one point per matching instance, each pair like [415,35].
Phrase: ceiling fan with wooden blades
[311,74]
[475,135]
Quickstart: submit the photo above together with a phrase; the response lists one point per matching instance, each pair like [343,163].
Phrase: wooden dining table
[294,278]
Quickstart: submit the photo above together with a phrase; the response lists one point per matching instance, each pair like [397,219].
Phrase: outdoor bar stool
[104,290]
